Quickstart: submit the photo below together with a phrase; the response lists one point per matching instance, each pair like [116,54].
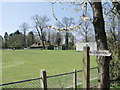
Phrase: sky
[13,14]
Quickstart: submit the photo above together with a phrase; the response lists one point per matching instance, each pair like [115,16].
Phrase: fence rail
[69,73]
[19,81]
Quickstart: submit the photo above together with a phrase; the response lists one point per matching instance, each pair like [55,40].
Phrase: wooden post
[86,67]
[44,79]
[75,80]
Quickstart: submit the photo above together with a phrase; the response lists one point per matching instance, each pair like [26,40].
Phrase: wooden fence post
[75,79]
[43,75]
[86,67]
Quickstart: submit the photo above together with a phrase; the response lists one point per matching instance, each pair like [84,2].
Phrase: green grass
[26,64]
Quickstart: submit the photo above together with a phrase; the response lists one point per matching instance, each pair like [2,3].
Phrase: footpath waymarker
[86,63]
[100,53]
[86,68]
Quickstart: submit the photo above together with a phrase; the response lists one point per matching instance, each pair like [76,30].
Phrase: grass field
[26,64]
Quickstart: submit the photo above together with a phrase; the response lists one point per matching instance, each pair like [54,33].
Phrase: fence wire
[57,81]
[66,80]
[93,78]
[60,81]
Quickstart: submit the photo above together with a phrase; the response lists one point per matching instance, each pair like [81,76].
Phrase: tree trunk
[86,38]
[66,40]
[43,42]
[25,39]
[101,40]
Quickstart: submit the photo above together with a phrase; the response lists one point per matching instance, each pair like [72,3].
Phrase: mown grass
[26,64]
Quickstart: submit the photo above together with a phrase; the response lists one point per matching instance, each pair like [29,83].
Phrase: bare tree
[58,39]
[117,7]
[71,41]
[113,35]
[66,24]
[113,44]
[52,39]
[24,27]
[40,25]
[86,30]
[49,37]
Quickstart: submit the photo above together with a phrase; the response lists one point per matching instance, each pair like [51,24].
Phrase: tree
[16,40]
[117,7]
[1,42]
[11,40]
[113,35]
[101,40]
[24,27]
[53,38]
[86,26]
[66,23]
[49,38]
[6,38]
[40,26]
[85,31]
[31,38]
[58,39]
[71,41]
[17,32]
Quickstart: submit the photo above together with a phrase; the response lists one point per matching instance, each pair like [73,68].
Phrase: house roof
[39,44]
[35,45]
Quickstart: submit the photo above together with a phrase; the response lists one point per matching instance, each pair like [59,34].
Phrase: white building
[92,45]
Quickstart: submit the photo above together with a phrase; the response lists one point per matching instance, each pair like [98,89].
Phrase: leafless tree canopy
[24,28]
[41,23]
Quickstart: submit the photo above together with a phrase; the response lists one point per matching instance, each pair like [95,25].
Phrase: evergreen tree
[31,38]
[6,38]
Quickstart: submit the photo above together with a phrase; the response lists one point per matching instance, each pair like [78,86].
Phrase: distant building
[49,47]
[80,45]
[35,46]
[38,45]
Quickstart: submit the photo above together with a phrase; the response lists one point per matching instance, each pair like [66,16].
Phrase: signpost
[86,63]
[86,68]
